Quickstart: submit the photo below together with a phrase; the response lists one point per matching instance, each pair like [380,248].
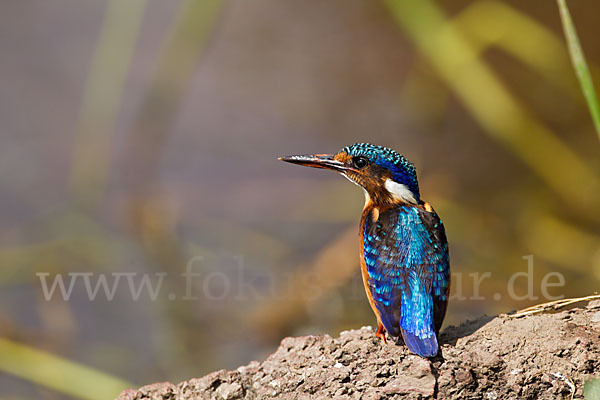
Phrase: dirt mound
[545,356]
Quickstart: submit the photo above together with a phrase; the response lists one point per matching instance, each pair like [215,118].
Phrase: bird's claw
[381,333]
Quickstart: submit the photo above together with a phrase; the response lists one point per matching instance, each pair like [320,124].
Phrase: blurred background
[141,137]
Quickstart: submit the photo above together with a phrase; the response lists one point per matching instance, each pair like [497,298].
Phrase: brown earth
[545,356]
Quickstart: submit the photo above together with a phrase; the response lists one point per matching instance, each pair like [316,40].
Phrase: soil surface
[546,356]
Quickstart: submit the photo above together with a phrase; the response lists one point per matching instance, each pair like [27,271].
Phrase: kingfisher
[404,251]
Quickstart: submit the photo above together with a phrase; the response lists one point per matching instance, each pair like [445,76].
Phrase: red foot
[381,333]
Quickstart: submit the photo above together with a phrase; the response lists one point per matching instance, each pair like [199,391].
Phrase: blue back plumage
[402,170]
[406,256]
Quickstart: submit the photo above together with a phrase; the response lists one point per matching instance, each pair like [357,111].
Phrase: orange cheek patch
[428,207]
[342,157]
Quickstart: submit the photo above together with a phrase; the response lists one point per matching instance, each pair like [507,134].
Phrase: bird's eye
[360,162]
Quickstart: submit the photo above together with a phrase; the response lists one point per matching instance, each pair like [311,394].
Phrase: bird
[404,254]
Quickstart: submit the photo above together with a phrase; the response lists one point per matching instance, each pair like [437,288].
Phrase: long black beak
[325,161]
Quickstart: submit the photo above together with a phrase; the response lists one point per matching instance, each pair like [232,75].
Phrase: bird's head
[386,176]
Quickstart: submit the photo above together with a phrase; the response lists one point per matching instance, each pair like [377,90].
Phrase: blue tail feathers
[425,347]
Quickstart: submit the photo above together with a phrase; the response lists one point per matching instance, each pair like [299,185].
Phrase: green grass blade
[58,373]
[579,63]
[492,105]
[496,24]
[102,96]
[591,390]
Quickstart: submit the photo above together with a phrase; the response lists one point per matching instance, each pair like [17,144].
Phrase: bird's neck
[380,201]
[374,207]
[385,200]
[387,193]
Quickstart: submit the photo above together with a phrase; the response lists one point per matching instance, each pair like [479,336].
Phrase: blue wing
[406,256]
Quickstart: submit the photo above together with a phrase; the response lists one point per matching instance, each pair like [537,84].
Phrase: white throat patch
[367,197]
[400,192]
